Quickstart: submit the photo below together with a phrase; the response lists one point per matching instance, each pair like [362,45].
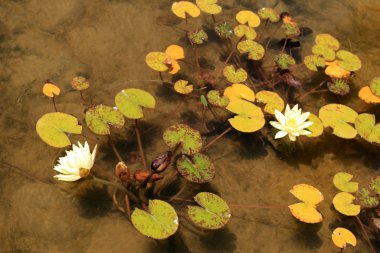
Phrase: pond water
[107,40]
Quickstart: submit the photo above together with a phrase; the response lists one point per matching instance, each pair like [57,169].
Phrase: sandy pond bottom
[107,41]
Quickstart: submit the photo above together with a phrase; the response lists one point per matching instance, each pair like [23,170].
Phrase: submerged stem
[81,95]
[312,90]
[117,154]
[365,234]
[141,150]
[55,107]
[116,185]
[216,138]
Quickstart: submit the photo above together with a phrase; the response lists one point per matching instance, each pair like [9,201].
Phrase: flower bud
[121,171]
[161,162]
[141,175]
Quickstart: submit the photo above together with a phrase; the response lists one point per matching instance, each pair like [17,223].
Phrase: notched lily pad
[255,50]
[328,40]
[375,185]
[269,13]
[367,96]
[183,87]
[80,83]
[197,169]
[343,203]
[342,181]
[244,30]
[197,37]
[183,8]
[348,61]
[51,90]
[313,62]
[316,128]
[284,61]
[339,87]
[271,100]
[341,237]
[375,86]
[367,128]
[235,76]
[239,91]
[156,61]
[224,30]
[189,138]
[366,199]
[214,98]
[130,102]
[325,51]
[209,6]
[291,29]
[213,212]
[249,117]
[159,222]
[99,118]
[248,17]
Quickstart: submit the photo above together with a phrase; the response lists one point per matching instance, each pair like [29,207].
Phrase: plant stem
[365,234]
[216,138]
[55,107]
[141,150]
[311,91]
[117,154]
[271,36]
[81,95]
[128,206]
[161,78]
[213,19]
[196,57]
[180,191]
[118,186]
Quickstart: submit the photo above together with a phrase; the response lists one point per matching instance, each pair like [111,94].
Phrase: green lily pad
[244,30]
[342,182]
[197,169]
[271,100]
[80,83]
[317,128]
[209,6]
[328,40]
[366,200]
[284,61]
[235,76]
[224,30]
[366,127]
[189,138]
[291,30]
[338,117]
[156,61]
[213,212]
[343,204]
[313,62]
[99,118]
[197,37]
[130,102]
[325,51]
[255,50]
[214,97]
[339,87]
[375,86]
[183,87]
[375,185]
[52,128]
[249,117]
[159,222]
[269,13]
[348,61]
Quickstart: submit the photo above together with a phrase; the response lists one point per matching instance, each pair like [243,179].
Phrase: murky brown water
[107,41]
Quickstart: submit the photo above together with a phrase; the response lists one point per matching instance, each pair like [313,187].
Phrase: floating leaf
[316,128]
[99,118]
[284,61]
[328,40]
[213,212]
[375,86]
[174,53]
[341,237]
[204,100]
[183,87]
[255,50]
[250,118]
[244,30]
[269,13]
[313,62]
[52,128]
[291,29]
[209,6]
[325,51]
[338,116]
[343,204]
[375,185]
[197,37]
[80,83]
[333,70]
[342,180]
[224,30]
[159,222]
[156,61]
[348,61]
[271,100]
[366,200]
[130,102]
[339,87]
[306,211]
[367,96]
[183,8]
[197,169]
[213,96]
[189,138]
[50,90]
[366,127]
[249,17]
[239,91]
[235,76]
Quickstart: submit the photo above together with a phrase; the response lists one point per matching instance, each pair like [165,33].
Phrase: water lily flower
[76,164]
[293,123]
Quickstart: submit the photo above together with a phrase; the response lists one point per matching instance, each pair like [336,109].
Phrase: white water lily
[293,123]
[76,164]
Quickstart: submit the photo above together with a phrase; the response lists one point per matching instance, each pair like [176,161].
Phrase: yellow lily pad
[317,128]
[51,90]
[367,128]
[156,61]
[244,30]
[183,87]
[342,180]
[338,117]
[239,91]
[375,86]
[271,100]
[348,61]
[214,98]
[323,50]
[244,17]
[249,117]
[183,8]
[333,70]
[367,96]
[235,76]
[209,6]
[269,14]
[255,50]
[328,40]
[341,237]
[313,62]
[343,203]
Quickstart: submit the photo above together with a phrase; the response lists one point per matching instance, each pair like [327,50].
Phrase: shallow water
[107,41]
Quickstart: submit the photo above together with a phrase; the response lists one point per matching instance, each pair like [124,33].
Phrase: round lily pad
[339,87]
[291,29]
[214,97]
[51,90]
[338,117]
[255,50]
[316,128]
[209,6]
[197,169]
[80,83]
[130,102]
[313,62]
[249,117]
[185,8]
[197,37]
[367,96]
[224,30]
[375,185]
[333,70]
[159,222]
[183,87]
[342,182]
[244,30]
[99,118]
[239,91]
[156,61]
[212,212]
[325,51]
[328,40]
[348,61]
[271,100]
[341,237]
[343,204]
[235,76]
[189,138]
[52,128]
[366,127]
[269,13]
[284,61]
[375,86]
[248,17]
[366,200]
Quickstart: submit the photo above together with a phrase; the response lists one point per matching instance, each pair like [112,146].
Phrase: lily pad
[214,97]
[284,61]
[224,30]
[239,91]
[366,200]
[130,102]
[333,70]
[244,30]
[367,128]
[328,40]
[159,222]
[375,86]
[213,212]
[209,6]
[338,117]
[197,37]
[255,50]
[235,76]
[183,8]
[189,138]
[375,185]
[80,83]
[313,62]
[316,128]
[269,13]
[249,117]
[342,180]
[325,51]
[343,204]
[291,29]
[341,237]
[348,61]
[52,128]
[99,118]
[367,96]
[51,90]
[183,87]
[197,168]
[271,100]
[339,87]
[156,61]
[248,17]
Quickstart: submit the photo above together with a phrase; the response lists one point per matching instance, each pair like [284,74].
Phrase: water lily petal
[276,125]
[67,178]
[280,134]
